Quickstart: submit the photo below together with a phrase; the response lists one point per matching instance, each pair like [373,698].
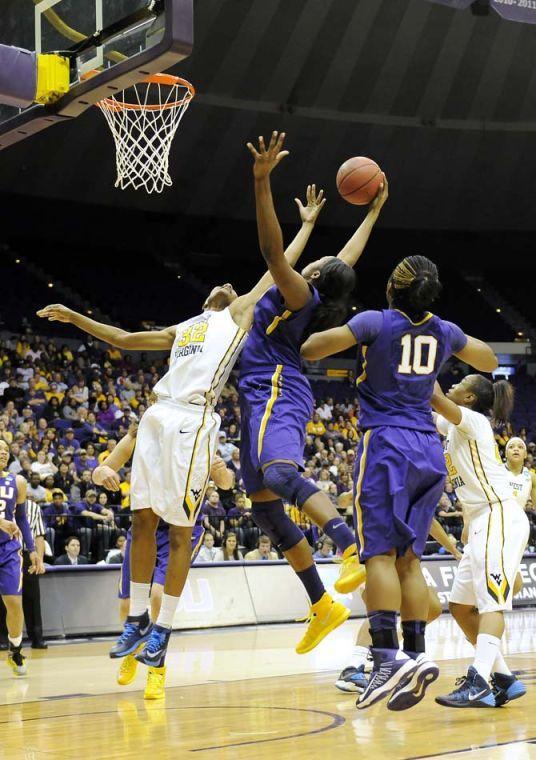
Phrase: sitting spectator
[72,554]
[68,440]
[35,490]
[100,520]
[324,480]
[225,448]
[110,446]
[63,479]
[208,551]
[57,517]
[117,555]
[325,549]
[214,515]
[43,465]
[263,551]
[240,515]
[316,426]
[229,549]
[234,465]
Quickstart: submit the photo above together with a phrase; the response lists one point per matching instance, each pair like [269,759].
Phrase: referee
[31,596]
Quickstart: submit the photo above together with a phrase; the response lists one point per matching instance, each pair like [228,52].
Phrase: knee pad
[271,518]
[285,480]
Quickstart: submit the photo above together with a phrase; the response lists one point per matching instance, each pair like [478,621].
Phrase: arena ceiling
[445,101]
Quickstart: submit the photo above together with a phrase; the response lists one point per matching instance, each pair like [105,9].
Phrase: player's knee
[459,611]
[271,518]
[284,479]
[408,564]
[518,584]
[179,537]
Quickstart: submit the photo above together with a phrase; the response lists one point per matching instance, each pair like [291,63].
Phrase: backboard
[140,37]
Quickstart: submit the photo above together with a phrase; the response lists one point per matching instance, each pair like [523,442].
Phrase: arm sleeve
[457,337]
[442,425]
[473,424]
[366,326]
[22,521]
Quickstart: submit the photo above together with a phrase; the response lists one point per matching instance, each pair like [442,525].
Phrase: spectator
[43,466]
[325,549]
[214,515]
[263,552]
[72,554]
[225,448]
[117,555]
[208,551]
[110,446]
[316,426]
[229,549]
[58,520]
[99,520]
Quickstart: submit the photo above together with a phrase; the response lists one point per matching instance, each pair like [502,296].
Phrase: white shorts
[490,562]
[175,448]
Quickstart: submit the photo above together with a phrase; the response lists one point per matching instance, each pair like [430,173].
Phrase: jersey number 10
[412,354]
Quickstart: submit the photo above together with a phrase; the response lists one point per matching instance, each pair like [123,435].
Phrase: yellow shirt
[103,456]
[315,428]
[125,494]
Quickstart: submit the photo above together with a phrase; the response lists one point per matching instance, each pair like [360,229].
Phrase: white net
[144,128]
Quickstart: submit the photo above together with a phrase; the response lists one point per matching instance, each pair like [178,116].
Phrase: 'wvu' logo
[497,577]
[196,493]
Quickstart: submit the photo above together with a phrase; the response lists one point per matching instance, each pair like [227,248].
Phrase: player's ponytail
[496,399]
[334,284]
[414,286]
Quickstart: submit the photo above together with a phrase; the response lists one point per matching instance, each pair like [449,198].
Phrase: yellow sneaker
[324,617]
[127,670]
[16,661]
[351,575]
[156,681]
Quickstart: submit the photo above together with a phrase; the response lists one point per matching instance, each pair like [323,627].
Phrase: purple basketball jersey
[400,362]
[8,503]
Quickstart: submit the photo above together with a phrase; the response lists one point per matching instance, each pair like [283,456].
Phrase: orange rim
[166,80]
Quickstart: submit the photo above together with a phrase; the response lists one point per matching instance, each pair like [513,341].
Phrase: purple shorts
[162,557]
[10,569]
[275,410]
[398,480]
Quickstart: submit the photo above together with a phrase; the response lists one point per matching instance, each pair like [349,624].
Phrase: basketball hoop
[143,129]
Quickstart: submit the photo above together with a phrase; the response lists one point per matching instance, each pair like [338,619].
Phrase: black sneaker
[16,660]
[352,680]
[506,688]
[472,691]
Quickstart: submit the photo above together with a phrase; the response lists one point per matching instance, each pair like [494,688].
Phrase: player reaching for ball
[177,437]
[497,528]
[107,475]
[277,402]
[400,468]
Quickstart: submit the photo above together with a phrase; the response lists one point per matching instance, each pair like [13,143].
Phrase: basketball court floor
[243,693]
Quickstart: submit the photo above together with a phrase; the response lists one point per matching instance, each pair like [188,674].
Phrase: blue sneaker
[411,694]
[154,652]
[392,669]
[135,632]
[352,680]
[506,688]
[472,691]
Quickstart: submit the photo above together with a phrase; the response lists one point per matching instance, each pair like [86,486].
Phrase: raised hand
[56,312]
[381,196]
[315,204]
[266,159]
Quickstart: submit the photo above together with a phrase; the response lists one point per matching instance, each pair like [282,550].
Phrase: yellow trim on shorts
[363,375]
[498,591]
[276,320]
[276,391]
[357,500]
[20,582]
[189,505]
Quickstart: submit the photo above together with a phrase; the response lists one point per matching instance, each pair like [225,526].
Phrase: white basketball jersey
[520,485]
[204,352]
[473,462]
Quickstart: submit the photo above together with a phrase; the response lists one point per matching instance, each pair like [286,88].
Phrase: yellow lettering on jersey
[452,471]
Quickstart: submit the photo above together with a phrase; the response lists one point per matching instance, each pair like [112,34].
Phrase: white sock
[487,649]
[15,640]
[139,598]
[359,656]
[500,666]
[167,610]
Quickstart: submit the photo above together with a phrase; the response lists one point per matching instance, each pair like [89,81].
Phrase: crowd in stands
[63,409]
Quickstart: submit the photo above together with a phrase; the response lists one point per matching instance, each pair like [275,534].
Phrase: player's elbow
[309,351]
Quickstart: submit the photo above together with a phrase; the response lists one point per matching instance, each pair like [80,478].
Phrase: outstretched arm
[242,308]
[292,285]
[159,340]
[351,253]
[106,474]
[479,355]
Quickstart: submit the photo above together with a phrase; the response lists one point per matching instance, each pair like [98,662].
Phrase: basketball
[358,180]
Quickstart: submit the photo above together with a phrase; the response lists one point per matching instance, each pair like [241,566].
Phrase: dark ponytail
[335,285]
[414,286]
[497,398]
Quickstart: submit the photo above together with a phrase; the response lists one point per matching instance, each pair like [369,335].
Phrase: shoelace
[381,676]
[156,641]
[129,629]
[461,683]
